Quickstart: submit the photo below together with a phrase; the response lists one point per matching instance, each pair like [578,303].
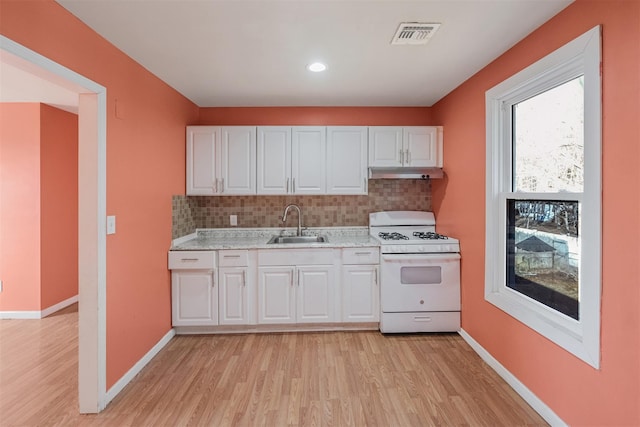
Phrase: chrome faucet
[284,217]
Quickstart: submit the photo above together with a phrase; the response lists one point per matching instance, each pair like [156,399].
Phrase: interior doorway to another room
[91,107]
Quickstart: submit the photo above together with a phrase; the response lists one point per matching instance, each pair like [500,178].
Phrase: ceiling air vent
[414,33]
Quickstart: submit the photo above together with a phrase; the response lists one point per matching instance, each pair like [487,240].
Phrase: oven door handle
[421,257]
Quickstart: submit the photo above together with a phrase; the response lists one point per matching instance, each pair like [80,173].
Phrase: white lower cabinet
[236,290]
[296,286]
[195,299]
[296,294]
[360,293]
[232,298]
[360,290]
[194,295]
[274,286]
[315,294]
[276,295]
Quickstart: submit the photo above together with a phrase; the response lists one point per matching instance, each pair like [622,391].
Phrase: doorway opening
[91,98]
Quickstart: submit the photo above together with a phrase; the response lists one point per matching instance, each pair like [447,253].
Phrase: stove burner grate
[429,235]
[392,236]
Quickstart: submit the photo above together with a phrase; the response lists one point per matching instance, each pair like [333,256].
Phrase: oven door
[420,282]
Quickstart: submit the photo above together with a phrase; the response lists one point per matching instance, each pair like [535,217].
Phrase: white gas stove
[419,273]
[409,232]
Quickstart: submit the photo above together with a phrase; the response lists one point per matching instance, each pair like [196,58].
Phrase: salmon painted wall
[576,392]
[58,205]
[39,179]
[20,206]
[145,167]
[308,116]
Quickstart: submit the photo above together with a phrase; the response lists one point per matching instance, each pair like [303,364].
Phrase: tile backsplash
[191,212]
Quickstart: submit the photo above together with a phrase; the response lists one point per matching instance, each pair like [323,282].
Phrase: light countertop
[256,238]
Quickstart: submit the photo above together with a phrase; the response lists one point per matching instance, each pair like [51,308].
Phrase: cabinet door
[347,160]
[238,158]
[276,295]
[233,308]
[274,160]
[421,146]
[308,148]
[203,160]
[194,298]
[360,293]
[385,146]
[315,294]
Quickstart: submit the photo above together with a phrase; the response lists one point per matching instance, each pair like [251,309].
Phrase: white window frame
[578,57]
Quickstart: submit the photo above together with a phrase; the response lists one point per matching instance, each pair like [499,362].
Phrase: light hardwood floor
[332,378]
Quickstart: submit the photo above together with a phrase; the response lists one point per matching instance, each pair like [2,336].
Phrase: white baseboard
[38,314]
[126,378]
[20,314]
[59,306]
[538,405]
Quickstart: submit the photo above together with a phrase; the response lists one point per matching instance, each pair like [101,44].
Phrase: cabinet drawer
[192,260]
[233,258]
[360,255]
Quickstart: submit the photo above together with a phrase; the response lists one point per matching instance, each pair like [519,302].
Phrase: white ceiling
[254,53]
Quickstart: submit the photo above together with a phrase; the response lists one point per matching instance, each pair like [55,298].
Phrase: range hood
[405,173]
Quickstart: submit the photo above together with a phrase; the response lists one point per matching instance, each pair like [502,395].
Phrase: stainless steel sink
[297,239]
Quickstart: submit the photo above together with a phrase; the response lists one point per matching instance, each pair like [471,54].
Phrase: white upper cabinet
[291,160]
[203,160]
[347,160]
[422,146]
[309,157]
[274,159]
[312,160]
[385,146]
[238,159]
[414,146]
[221,160]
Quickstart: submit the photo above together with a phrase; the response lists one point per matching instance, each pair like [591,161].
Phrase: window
[543,196]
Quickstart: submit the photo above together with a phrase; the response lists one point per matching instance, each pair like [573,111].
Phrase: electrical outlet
[233,220]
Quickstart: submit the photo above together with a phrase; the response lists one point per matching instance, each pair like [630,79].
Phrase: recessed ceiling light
[316,67]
